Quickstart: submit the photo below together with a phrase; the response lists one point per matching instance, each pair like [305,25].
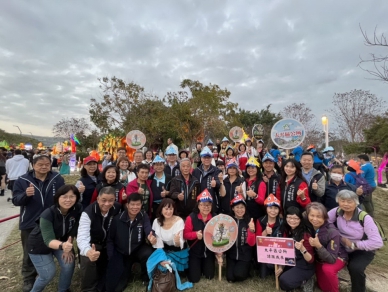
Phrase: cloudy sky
[264,52]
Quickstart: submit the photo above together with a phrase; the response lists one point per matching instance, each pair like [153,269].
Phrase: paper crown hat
[206,152]
[252,161]
[237,200]
[171,151]
[225,139]
[205,196]
[232,163]
[158,159]
[269,157]
[210,142]
[271,200]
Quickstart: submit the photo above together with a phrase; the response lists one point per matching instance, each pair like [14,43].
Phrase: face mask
[215,155]
[329,153]
[336,176]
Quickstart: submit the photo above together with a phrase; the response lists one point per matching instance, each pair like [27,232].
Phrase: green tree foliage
[377,134]
[200,110]
[265,117]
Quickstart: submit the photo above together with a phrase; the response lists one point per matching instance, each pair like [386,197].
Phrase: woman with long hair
[291,277]
[89,179]
[293,189]
[124,166]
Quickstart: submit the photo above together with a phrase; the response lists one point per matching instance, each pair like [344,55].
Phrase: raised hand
[81,187]
[251,193]
[93,254]
[199,234]
[177,238]
[239,189]
[140,191]
[123,196]
[30,191]
[314,242]
[251,225]
[268,229]
[67,246]
[301,194]
[299,245]
[213,182]
[359,191]
[314,185]
[164,193]
[181,197]
[151,238]
[221,177]
[265,179]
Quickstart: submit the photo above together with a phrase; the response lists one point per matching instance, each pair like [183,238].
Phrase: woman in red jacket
[293,189]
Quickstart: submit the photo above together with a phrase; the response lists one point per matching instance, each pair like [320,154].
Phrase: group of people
[153,212]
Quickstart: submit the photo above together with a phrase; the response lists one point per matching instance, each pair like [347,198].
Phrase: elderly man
[172,166]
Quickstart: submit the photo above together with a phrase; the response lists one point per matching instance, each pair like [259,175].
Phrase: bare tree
[380,71]
[65,127]
[303,114]
[354,111]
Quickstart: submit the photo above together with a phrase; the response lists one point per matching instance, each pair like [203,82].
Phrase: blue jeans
[45,266]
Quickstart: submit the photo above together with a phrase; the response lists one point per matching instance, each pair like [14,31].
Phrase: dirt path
[7,209]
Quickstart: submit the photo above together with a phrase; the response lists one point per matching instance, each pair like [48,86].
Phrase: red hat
[90,159]
[237,200]
[205,196]
[271,200]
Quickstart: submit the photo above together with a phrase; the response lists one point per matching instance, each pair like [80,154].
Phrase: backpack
[361,181]
[361,217]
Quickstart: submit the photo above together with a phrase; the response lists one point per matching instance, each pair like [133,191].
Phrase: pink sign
[275,250]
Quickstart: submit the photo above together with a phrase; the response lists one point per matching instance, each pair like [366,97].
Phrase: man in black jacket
[127,243]
[93,229]
[34,192]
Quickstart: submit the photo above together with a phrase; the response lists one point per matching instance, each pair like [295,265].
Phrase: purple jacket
[354,231]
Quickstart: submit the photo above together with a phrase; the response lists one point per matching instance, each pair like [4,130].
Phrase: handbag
[163,282]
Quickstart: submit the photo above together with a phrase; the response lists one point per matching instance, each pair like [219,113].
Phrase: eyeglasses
[206,206]
[293,218]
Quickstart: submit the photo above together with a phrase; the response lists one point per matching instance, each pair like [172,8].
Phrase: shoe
[308,286]
[27,286]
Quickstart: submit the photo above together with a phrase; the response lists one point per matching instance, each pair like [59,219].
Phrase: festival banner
[275,250]
[136,139]
[258,131]
[288,133]
[72,161]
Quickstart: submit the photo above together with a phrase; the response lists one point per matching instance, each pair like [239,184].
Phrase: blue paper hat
[158,159]
[206,152]
[232,163]
[225,139]
[171,151]
[327,149]
[269,157]
[210,142]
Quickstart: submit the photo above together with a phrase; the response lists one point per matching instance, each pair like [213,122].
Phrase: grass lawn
[377,272]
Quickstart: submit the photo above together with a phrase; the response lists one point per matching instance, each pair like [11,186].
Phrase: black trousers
[28,270]
[358,261]
[93,274]
[119,267]
[236,270]
[199,266]
[293,277]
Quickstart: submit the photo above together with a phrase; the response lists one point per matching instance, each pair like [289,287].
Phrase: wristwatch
[303,252]
[61,246]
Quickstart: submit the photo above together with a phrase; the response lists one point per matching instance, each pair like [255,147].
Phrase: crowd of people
[152,212]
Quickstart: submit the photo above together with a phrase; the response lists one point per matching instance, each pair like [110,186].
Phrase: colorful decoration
[258,131]
[236,134]
[382,168]
[220,233]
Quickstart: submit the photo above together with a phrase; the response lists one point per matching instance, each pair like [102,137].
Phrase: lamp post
[325,123]
[18,128]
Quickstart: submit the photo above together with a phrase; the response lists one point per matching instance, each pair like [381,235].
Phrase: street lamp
[325,123]
[18,128]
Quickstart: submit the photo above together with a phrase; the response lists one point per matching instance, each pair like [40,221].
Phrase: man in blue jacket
[369,174]
[34,192]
